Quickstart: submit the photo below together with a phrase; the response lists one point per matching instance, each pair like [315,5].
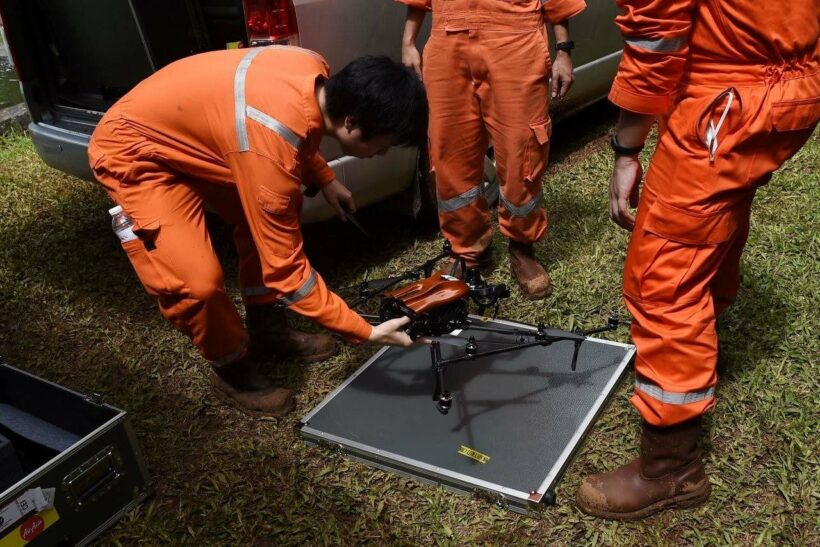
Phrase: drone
[438,303]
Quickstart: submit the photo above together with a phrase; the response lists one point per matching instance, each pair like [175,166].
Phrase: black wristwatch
[567,46]
[624,150]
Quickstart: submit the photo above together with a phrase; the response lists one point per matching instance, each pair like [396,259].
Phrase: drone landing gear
[542,336]
[442,397]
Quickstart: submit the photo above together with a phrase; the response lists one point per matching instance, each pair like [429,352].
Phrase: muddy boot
[531,276]
[269,332]
[668,473]
[485,264]
[241,385]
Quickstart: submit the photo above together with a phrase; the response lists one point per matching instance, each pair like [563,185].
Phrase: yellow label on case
[473,454]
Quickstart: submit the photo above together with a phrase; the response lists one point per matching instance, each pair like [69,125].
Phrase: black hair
[384,98]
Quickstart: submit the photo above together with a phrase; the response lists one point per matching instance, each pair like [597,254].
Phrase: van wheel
[427,217]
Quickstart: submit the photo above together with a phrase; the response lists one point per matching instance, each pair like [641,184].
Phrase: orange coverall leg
[488,73]
[182,270]
[682,267]
[738,87]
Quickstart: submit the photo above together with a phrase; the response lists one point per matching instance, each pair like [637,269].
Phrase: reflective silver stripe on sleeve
[461,200]
[255,291]
[239,98]
[233,356]
[523,210]
[673,397]
[274,125]
[661,45]
[302,291]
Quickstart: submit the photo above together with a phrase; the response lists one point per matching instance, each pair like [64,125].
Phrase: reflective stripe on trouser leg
[667,289]
[674,397]
[462,200]
[681,240]
[458,144]
[673,326]
[515,107]
[522,211]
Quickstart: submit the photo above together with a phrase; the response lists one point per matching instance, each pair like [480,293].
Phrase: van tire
[427,217]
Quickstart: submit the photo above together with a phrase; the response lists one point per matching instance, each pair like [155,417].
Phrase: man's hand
[624,189]
[340,198]
[391,333]
[562,75]
[410,57]
[409,52]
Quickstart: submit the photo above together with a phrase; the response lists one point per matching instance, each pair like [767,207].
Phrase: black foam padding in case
[34,429]
[10,469]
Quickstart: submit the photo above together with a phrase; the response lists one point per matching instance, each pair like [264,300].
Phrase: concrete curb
[14,119]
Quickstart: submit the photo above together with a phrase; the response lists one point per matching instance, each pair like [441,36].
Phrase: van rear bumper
[64,150]
[370,180]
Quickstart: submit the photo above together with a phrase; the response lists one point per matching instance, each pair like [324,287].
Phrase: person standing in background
[486,69]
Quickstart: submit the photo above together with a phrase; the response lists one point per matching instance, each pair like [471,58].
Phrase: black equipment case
[69,465]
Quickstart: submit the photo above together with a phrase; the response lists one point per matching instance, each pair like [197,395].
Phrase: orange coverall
[486,70]
[238,130]
[738,87]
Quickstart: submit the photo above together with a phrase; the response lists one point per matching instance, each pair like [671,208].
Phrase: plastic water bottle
[122,224]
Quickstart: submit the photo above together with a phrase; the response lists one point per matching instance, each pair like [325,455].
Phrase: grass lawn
[72,311]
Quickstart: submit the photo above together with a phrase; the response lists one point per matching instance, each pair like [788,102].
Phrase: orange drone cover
[433,292]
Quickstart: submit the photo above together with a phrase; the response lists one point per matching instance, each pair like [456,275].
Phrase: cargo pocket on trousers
[798,104]
[537,150]
[156,277]
[673,249]
[280,223]
[682,226]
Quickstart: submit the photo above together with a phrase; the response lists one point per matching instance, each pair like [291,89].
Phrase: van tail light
[12,57]
[271,22]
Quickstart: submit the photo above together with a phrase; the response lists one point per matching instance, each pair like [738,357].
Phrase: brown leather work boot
[531,276]
[268,329]
[485,263]
[241,385]
[668,473]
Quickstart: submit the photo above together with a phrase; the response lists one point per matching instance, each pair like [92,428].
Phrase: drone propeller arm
[541,334]
[517,332]
[612,323]
[512,347]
